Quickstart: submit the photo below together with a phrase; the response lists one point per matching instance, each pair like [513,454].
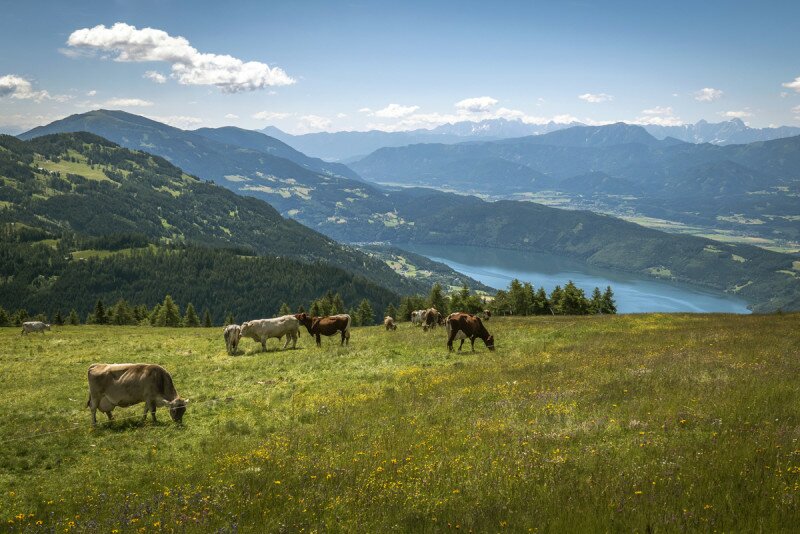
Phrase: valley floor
[632,422]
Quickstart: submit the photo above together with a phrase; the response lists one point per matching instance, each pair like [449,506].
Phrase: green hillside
[654,423]
[84,185]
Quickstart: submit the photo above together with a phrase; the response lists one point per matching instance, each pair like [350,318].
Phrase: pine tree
[190,318]
[122,313]
[540,303]
[406,307]
[301,309]
[609,306]
[556,298]
[5,318]
[206,318]
[516,297]
[316,309]
[366,316]
[58,319]
[74,320]
[337,305]
[229,319]
[285,310]
[169,314]
[100,316]
[391,311]
[596,302]
[354,317]
[153,316]
[437,299]
[574,300]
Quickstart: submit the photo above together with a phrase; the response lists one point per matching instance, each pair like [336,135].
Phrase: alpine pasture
[623,423]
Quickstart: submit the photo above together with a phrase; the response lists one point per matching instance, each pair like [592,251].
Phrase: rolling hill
[63,189]
[352,211]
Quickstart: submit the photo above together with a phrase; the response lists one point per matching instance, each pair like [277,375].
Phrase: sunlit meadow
[660,422]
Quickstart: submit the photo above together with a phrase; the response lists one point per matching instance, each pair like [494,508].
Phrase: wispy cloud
[155,76]
[14,86]
[708,94]
[270,115]
[127,102]
[231,116]
[742,114]
[596,98]
[793,84]
[178,121]
[658,116]
[189,66]
[395,111]
[313,123]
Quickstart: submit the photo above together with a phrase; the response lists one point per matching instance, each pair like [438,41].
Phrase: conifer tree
[5,318]
[285,310]
[206,318]
[437,299]
[58,318]
[609,305]
[190,318]
[229,319]
[169,314]
[74,320]
[100,316]
[366,315]
[391,311]
[337,305]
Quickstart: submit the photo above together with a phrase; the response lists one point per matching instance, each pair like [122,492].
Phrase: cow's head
[176,409]
[489,342]
[47,326]
[304,319]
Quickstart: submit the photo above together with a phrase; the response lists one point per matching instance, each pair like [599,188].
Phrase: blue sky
[310,66]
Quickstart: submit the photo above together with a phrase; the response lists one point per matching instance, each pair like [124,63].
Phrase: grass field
[626,423]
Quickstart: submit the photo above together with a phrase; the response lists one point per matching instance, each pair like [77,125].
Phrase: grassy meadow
[617,423]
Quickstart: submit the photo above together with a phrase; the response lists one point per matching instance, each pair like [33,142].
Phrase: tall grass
[646,422]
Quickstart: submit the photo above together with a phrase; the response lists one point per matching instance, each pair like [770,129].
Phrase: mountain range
[621,166]
[355,211]
[349,145]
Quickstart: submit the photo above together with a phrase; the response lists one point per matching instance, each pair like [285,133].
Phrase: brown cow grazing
[326,326]
[465,325]
[126,384]
[388,322]
[430,319]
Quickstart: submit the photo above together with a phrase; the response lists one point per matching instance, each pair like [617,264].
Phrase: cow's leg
[146,409]
[319,341]
[93,408]
[472,341]
[461,345]
[450,339]
[263,344]
[295,335]
[288,338]
[153,411]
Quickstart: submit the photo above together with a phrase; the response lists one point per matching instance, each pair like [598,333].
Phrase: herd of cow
[127,384]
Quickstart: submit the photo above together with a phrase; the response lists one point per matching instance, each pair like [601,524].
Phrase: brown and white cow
[326,326]
[232,333]
[416,317]
[263,329]
[34,326]
[486,315]
[467,326]
[430,319]
[126,384]
[388,322]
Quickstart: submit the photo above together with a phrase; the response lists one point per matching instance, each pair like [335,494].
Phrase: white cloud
[658,110]
[796,111]
[708,94]
[127,102]
[178,121]
[596,98]
[395,111]
[793,84]
[91,93]
[14,86]
[155,76]
[365,110]
[270,115]
[736,114]
[341,115]
[784,94]
[231,116]
[189,66]
[658,116]
[313,123]
[476,105]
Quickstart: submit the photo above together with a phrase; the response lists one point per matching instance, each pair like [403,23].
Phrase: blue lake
[633,293]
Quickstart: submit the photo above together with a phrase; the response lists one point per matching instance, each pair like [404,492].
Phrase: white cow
[417,316]
[34,326]
[126,384]
[232,333]
[263,329]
